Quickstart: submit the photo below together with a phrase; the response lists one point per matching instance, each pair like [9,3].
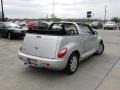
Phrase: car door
[90,39]
[74,38]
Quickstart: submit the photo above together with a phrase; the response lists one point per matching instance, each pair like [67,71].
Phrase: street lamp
[2,10]
[105,13]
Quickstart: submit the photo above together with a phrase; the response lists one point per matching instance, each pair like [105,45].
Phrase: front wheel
[100,49]
[9,35]
[72,64]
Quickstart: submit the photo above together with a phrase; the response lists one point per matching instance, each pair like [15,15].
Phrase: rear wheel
[9,36]
[72,64]
[100,49]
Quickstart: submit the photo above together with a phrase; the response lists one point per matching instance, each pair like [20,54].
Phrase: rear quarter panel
[72,43]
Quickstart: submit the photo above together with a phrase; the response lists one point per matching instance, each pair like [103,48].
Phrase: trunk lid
[40,45]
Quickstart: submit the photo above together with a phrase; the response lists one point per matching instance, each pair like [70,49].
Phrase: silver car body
[42,50]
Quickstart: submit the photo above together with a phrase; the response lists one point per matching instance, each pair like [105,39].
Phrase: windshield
[9,25]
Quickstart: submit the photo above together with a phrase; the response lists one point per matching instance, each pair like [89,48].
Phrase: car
[11,30]
[96,25]
[110,25]
[38,25]
[23,23]
[61,47]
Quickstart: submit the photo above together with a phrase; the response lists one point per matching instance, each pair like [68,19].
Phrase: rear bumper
[55,64]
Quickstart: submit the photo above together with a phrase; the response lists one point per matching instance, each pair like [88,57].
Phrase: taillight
[62,53]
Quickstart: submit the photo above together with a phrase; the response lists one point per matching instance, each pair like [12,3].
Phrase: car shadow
[54,74]
[44,74]
[14,39]
[19,38]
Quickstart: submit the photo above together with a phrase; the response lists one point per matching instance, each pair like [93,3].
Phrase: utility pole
[105,13]
[3,18]
[53,10]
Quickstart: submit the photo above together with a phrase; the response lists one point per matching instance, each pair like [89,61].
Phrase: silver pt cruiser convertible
[61,47]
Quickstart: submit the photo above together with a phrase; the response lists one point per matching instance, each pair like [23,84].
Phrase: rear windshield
[58,29]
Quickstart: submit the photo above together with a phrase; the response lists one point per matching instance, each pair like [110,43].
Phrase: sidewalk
[112,82]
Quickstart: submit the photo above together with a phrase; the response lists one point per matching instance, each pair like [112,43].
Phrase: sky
[62,8]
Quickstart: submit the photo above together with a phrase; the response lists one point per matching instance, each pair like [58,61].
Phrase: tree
[115,19]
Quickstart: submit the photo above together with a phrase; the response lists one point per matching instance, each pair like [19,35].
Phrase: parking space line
[107,73]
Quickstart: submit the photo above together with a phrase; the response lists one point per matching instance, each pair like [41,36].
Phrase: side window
[85,29]
[56,27]
[71,29]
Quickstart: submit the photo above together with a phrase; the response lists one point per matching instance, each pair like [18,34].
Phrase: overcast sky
[63,8]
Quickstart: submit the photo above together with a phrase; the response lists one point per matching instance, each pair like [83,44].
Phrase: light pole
[3,18]
[105,13]
[53,10]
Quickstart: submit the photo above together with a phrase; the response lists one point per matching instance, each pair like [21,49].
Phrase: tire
[113,28]
[9,36]
[100,49]
[72,64]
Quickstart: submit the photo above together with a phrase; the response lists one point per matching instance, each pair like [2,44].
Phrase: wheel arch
[8,32]
[76,52]
[101,41]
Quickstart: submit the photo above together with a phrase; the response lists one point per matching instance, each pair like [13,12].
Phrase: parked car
[11,30]
[38,25]
[110,26]
[23,23]
[96,25]
[60,47]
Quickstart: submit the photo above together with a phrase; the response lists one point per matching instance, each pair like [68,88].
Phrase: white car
[110,26]
[60,47]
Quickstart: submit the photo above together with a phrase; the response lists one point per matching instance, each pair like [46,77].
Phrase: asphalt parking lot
[91,75]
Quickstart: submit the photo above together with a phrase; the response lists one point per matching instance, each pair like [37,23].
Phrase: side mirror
[95,32]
